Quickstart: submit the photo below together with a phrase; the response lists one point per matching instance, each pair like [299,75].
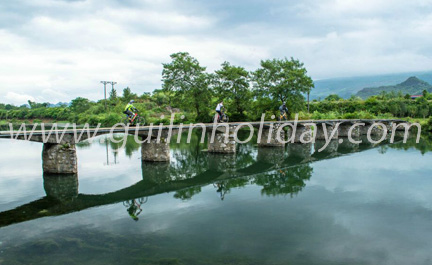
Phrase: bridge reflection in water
[278,170]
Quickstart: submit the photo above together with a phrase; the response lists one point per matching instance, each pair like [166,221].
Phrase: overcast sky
[53,50]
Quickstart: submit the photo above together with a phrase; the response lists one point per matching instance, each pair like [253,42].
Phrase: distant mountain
[345,87]
[412,86]
[60,104]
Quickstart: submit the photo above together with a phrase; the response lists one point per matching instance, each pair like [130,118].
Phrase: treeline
[189,90]
[382,105]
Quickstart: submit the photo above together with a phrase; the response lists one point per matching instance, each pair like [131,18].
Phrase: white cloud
[68,47]
[16,98]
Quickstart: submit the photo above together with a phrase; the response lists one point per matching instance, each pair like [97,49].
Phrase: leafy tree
[128,95]
[187,78]
[232,83]
[423,107]
[283,80]
[333,97]
[80,105]
[113,95]
[355,98]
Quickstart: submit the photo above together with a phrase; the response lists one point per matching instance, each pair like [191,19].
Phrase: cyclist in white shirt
[218,110]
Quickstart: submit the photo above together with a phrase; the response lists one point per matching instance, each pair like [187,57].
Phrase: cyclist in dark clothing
[283,109]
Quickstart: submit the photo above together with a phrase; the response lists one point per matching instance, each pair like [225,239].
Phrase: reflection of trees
[187,194]
[224,187]
[130,146]
[424,145]
[284,181]
[188,159]
[245,156]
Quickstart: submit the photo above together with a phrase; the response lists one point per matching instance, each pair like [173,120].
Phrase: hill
[345,87]
[412,86]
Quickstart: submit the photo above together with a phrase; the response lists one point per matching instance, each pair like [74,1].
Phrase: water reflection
[134,207]
[278,171]
[63,188]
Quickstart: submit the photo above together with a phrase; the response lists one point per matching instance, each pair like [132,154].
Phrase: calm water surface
[352,205]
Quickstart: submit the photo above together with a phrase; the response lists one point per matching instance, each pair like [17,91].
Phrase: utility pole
[112,84]
[308,101]
[105,83]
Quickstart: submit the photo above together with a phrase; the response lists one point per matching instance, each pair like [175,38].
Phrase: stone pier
[376,130]
[345,127]
[223,142]
[320,134]
[303,133]
[155,151]
[59,159]
[269,137]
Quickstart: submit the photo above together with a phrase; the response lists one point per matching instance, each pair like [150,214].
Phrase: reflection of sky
[20,173]
[364,208]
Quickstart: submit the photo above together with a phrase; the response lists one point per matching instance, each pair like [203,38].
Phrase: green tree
[423,107]
[187,78]
[232,83]
[80,105]
[128,95]
[333,97]
[283,80]
[113,95]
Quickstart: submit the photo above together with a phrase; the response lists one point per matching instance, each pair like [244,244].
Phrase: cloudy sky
[54,50]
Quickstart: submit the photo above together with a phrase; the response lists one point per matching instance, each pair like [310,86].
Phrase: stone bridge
[59,152]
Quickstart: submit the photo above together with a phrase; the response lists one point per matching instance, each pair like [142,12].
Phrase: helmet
[132,101]
[283,103]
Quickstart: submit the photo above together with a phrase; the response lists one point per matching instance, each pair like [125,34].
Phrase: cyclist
[283,109]
[219,109]
[130,109]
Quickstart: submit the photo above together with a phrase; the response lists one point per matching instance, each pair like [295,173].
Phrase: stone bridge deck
[59,153]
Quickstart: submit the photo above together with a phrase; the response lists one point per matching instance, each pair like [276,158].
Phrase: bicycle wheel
[226,118]
[140,120]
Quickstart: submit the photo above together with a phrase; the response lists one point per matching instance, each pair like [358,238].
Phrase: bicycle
[136,119]
[283,117]
[223,117]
